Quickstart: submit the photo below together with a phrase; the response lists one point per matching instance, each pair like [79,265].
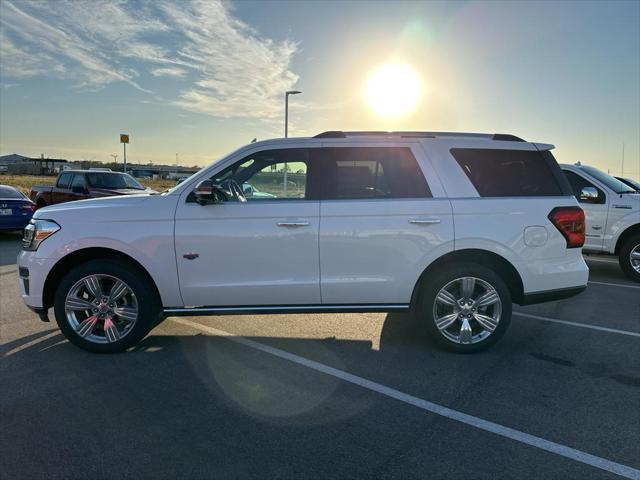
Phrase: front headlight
[36,232]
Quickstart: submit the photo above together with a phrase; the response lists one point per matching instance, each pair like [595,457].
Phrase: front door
[595,211]
[262,251]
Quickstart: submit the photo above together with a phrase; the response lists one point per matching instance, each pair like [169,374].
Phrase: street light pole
[286,129]
[286,110]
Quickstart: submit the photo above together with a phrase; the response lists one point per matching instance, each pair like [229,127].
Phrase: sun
[393,90]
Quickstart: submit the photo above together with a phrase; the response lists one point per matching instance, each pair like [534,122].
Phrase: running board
[266,309]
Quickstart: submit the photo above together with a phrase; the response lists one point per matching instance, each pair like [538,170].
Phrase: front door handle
[293,224]
[424,221]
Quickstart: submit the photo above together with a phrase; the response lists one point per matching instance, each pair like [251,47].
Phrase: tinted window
[611,182]
[371,172]
[631,182]
[578,182]
[113,181]
[8,192]
[78,181]
[508,173]
[65,180]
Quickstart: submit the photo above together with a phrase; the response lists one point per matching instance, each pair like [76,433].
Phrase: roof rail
[507,137]
[331,134]
[405,134]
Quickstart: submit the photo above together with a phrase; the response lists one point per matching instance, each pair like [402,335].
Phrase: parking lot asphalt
[319,396]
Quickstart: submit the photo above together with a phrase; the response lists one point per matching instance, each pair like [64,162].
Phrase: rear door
[381,221]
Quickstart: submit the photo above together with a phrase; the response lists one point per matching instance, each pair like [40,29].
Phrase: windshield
[10,193]
[113,181]
[631,182]
[611,182]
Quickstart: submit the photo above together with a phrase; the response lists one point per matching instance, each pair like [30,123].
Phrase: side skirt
[268,309]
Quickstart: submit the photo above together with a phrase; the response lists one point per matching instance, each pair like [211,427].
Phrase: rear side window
[65,180]
[511,173]
[371,172]
[10,193]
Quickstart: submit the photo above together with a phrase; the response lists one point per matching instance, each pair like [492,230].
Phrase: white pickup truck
[612,211]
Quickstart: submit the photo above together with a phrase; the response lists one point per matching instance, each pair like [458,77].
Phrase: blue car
[15,209]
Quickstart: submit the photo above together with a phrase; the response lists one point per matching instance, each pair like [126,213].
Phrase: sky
[202,78]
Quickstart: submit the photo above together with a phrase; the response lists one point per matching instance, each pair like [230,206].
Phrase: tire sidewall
[433,284]
[625,257]
[148,305]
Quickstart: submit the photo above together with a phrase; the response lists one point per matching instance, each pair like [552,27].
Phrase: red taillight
[30,207]
[570,222]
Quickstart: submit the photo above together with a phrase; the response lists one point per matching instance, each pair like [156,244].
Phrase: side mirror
[206,193]
[589,194]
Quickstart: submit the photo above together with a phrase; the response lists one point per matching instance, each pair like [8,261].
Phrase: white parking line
[615,284]
[510,433]
[576,324]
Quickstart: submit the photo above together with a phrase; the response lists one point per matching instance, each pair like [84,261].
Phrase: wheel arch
[84,255]
[630,231]
[486,258]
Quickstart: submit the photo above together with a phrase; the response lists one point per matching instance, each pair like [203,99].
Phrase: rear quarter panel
[499,224]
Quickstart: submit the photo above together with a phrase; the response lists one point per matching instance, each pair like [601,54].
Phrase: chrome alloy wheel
[101,308]
[634,258]
[467,310]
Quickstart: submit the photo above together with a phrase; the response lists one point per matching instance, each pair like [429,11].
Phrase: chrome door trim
[232,310]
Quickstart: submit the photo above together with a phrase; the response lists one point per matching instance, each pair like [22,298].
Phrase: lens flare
[393,90]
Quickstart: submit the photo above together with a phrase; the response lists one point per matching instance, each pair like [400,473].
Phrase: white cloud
[225,68]
[168,72]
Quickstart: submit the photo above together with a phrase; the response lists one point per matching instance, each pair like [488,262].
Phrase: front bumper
[32,274]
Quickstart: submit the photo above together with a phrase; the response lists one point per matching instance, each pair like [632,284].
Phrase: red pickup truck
[80,184]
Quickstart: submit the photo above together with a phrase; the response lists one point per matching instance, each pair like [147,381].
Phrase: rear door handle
[424,221]
[293,224]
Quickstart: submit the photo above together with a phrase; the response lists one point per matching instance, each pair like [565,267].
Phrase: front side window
[351,173]
[268,175]
[578,182]
[65,180]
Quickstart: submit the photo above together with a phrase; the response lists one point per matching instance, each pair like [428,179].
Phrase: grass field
[25,182]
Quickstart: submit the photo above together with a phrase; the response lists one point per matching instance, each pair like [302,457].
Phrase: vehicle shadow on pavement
[192,403]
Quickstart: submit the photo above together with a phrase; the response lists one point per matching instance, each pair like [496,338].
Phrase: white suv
[454,227]
[612,211]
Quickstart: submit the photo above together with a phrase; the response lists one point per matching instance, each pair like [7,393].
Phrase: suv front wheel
[629,258]
[465,307]
[105,306]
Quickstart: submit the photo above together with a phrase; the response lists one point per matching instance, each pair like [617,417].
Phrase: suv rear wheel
[465,307]
[105,306]
[629,258]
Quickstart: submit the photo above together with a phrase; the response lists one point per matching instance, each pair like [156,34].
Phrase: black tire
[442,277]
[148,303]
[630,244]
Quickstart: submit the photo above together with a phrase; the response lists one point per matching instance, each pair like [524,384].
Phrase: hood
[120,191]
[104,204]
